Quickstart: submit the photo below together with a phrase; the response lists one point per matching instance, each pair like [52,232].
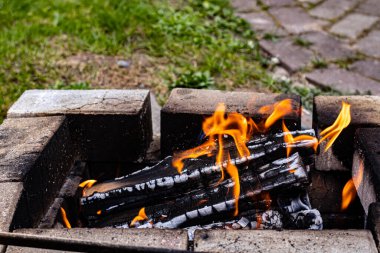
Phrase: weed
[302,42]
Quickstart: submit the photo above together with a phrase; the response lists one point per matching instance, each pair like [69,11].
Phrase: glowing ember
[349,190]
[341,122]
[64,218]
[140,217]
[87,184]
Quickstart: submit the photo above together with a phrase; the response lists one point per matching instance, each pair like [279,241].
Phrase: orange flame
[289,139]
[349,190]
[215,127]
[240,129]
[279,110]
[234,174]
[141,216]
[341,122]
[66,222]
[87,184]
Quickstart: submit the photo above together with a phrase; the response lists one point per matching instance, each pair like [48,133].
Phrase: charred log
[201,204]
[162,181]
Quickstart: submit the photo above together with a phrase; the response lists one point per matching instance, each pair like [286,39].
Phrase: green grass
[195,43]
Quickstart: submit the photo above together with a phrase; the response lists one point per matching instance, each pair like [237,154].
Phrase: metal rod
[74,245]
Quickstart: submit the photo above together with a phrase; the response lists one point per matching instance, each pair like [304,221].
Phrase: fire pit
[231,166]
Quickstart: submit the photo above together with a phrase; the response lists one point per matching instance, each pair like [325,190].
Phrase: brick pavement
[343,34]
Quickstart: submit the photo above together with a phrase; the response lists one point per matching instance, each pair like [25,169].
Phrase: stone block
[291,56]
[365,111]
[344,81]
[244,6]
[22,142]
[353,25]
[338,241]
[370,45]
[367,159]
[295,20]
[368,68]
[9,198]
[332,9]
[262,22]
[374,222]
[370,7]
[158,238]
[114,125]
[183,114]
[327,46]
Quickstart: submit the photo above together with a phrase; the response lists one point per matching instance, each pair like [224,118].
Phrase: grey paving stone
[328,46]
[368,68]
[278,3]
[9,197]
[59,102]
[343,80]
[291,56]
[332,9]
[243,6]
[309,1]
[158,238]
[338,241]
[260,21]
[353,25]
[370,45]
[370,7]
[295,20]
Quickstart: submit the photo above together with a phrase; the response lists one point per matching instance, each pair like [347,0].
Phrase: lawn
[76,44]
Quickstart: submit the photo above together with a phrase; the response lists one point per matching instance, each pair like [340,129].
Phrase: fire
[289,139]
[341,122]
[349,190]
[279,110]
[215,128]
[66,222]
[140,217]
[87,184]
[234,173]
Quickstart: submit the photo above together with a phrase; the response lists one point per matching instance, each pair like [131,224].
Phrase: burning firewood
[162,179]
[174,202]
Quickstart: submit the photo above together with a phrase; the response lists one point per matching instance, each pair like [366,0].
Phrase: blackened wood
[201,203]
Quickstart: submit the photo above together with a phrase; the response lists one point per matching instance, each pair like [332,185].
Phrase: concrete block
[9,197]
[114,125]
[165,239]
[367,159]
[365,112]
[337,241]
[183,114]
